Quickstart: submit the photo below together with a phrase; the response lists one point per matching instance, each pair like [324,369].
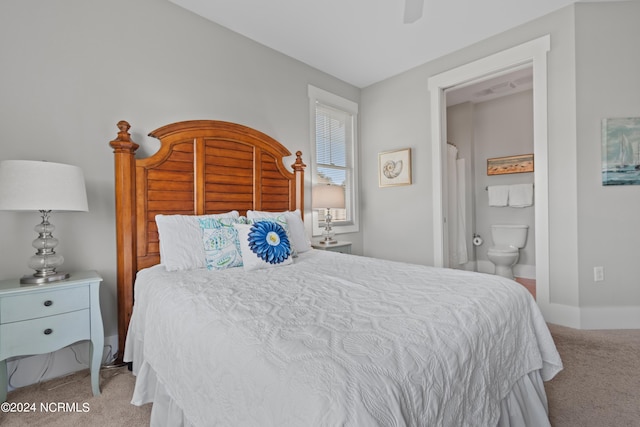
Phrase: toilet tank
[509,235]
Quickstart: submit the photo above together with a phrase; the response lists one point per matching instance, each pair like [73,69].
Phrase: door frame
[534,53]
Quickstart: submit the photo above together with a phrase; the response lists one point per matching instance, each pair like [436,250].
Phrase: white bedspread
[337,340]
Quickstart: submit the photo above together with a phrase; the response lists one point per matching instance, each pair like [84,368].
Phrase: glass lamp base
[327,233]
[38,280]
[46,260]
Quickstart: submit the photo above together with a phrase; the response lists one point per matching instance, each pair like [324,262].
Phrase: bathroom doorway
[492,118]
[531,54]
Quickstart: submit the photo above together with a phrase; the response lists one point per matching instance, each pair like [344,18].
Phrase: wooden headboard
[202,167]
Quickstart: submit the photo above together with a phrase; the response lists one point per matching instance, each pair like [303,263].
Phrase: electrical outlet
[598,274]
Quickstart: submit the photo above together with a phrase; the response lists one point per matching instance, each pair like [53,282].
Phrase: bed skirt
[525,406]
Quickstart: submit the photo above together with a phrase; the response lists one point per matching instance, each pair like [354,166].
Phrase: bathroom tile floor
[530,284]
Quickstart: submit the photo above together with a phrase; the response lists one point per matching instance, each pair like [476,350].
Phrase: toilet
[507,241]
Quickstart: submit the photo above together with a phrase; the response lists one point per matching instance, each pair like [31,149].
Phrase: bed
[285,335]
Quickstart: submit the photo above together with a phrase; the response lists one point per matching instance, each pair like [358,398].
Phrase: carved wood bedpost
[298,169]
[125,186]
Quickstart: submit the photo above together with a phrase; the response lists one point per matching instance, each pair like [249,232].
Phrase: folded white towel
[498,195]
[521,195]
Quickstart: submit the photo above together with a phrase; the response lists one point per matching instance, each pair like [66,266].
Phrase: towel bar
[487,187]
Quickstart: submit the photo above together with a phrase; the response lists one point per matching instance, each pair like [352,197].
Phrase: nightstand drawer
[42,319]
[342,247]
[44,335]
[43,303]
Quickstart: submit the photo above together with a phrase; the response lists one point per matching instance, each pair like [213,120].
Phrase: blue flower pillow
[221,246]
[294,226]
[282,222]
[264,244]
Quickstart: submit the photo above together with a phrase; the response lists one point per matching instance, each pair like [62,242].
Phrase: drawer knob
[48,303]
[48,331]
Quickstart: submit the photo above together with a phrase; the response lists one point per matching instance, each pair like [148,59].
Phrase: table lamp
[328,196]
[27,185]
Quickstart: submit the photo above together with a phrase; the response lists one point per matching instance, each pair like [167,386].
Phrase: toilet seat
[503,250]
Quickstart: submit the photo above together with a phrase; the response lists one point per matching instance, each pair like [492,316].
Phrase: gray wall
[592,74]
[71,69]
[608,86]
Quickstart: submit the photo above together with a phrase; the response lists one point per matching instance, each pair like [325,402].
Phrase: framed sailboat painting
[621,151]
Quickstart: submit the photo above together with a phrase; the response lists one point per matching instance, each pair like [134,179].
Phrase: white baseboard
[27,370]
[524,271]
[560,314]
[591,317]
[469,266]
[610,317]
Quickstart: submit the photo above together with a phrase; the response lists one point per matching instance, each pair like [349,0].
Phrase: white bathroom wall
[503,127]
[496,128]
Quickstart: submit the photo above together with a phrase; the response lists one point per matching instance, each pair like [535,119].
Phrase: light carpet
[599,386]
[111,408]
[600,383]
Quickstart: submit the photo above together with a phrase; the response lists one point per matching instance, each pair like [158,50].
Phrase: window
[333,130]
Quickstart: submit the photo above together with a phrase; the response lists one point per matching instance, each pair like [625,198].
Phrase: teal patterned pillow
[221,246]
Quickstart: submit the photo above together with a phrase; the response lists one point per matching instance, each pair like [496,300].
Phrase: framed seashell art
[394,168]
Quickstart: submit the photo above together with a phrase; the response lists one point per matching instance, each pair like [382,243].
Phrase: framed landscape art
[510,164]
[621,151]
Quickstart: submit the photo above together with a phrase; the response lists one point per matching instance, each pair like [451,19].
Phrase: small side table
[36,319]
[342,247]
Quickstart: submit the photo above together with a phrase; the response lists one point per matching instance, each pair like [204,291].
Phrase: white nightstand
[343,247]
[36,319]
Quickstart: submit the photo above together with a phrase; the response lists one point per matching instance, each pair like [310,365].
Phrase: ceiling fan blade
[413,10]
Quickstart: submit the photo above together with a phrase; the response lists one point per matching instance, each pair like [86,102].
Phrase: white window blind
[334,159]
[331,151]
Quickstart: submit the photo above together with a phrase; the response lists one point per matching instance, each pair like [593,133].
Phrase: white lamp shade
[27,185]
[328,196]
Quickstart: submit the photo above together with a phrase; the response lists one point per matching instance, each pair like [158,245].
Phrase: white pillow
[181,240]
[264,244]
[220,241]
[299,241]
